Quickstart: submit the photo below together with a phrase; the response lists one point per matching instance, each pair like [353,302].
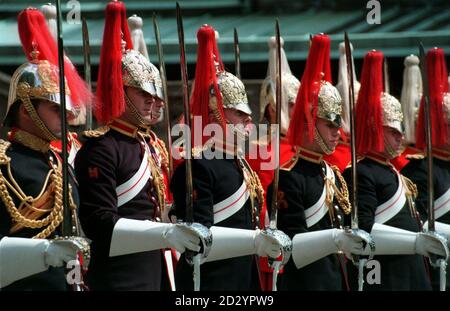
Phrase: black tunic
[215,180]
[101,165]
[377,183]
[416,170]
[30,168]
[302,187]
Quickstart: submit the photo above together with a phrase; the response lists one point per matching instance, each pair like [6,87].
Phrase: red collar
[309,155]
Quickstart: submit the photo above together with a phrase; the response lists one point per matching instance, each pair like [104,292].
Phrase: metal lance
[237,55]
[162,71]
[434,260]
[354,214]
[87,71]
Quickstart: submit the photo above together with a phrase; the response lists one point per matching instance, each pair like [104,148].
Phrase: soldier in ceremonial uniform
[31,185]
[119,168]
[263,164]
[227,192]
[385,197]
[417,169]
[312,196]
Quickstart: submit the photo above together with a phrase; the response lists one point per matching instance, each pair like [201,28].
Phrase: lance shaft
[237,55]
[87,71]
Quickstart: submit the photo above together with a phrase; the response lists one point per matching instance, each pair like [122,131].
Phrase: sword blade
[162,71]
[351,100]
[278,88]
[87,71]
[187,117]
[237,55]
[426,96]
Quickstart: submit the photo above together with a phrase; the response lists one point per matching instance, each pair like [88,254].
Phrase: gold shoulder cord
[53,183]
[411,194]
[254,186]
[158,177]
[341,195]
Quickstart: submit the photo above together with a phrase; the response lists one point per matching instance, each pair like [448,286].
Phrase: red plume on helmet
[208,64]
[317,68]
[369,113]
[110,92]
[438,85]
[34,34]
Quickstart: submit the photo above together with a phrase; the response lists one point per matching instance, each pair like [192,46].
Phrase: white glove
[266,246]
[348,242]
[180,237]
[427,245]
[135,236]
[59,252]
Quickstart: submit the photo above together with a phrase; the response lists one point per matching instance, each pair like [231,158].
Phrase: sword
[281,237]
[69,225]
[354,215]
[203,232]
[87,71]
[162,71]
[237,55]
[435,262]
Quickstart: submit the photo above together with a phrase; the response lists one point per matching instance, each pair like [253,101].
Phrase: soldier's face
[329,132]
[148,106]
[237,117]
[393,138]
[50,114]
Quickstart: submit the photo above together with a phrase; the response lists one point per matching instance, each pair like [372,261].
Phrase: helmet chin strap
[322,144]
[141,122]
[390,151]
[45,131]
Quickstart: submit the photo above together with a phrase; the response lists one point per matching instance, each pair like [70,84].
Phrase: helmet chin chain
[45,131]
[319,140]
[390,151]
[141,122]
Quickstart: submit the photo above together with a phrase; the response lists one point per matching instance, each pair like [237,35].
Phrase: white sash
[232,204]
[316,212]
[72,154]
[129,189]
[442,204]
[391,207]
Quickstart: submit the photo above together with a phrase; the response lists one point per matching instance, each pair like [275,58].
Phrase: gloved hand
[428,245]
[180,237]
[347,242]
[266,246]
[60,251]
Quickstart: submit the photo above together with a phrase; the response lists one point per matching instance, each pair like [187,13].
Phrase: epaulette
[289,164]
[4,145]
[97,132]
[415,156]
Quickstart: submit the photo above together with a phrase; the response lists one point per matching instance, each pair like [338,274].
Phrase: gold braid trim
[97,132]
[341,195]
[31,141]
[254,186]
[411,193]
[53,220]
[158,177]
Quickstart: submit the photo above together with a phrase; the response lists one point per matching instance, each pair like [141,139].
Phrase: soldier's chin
[58,135]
